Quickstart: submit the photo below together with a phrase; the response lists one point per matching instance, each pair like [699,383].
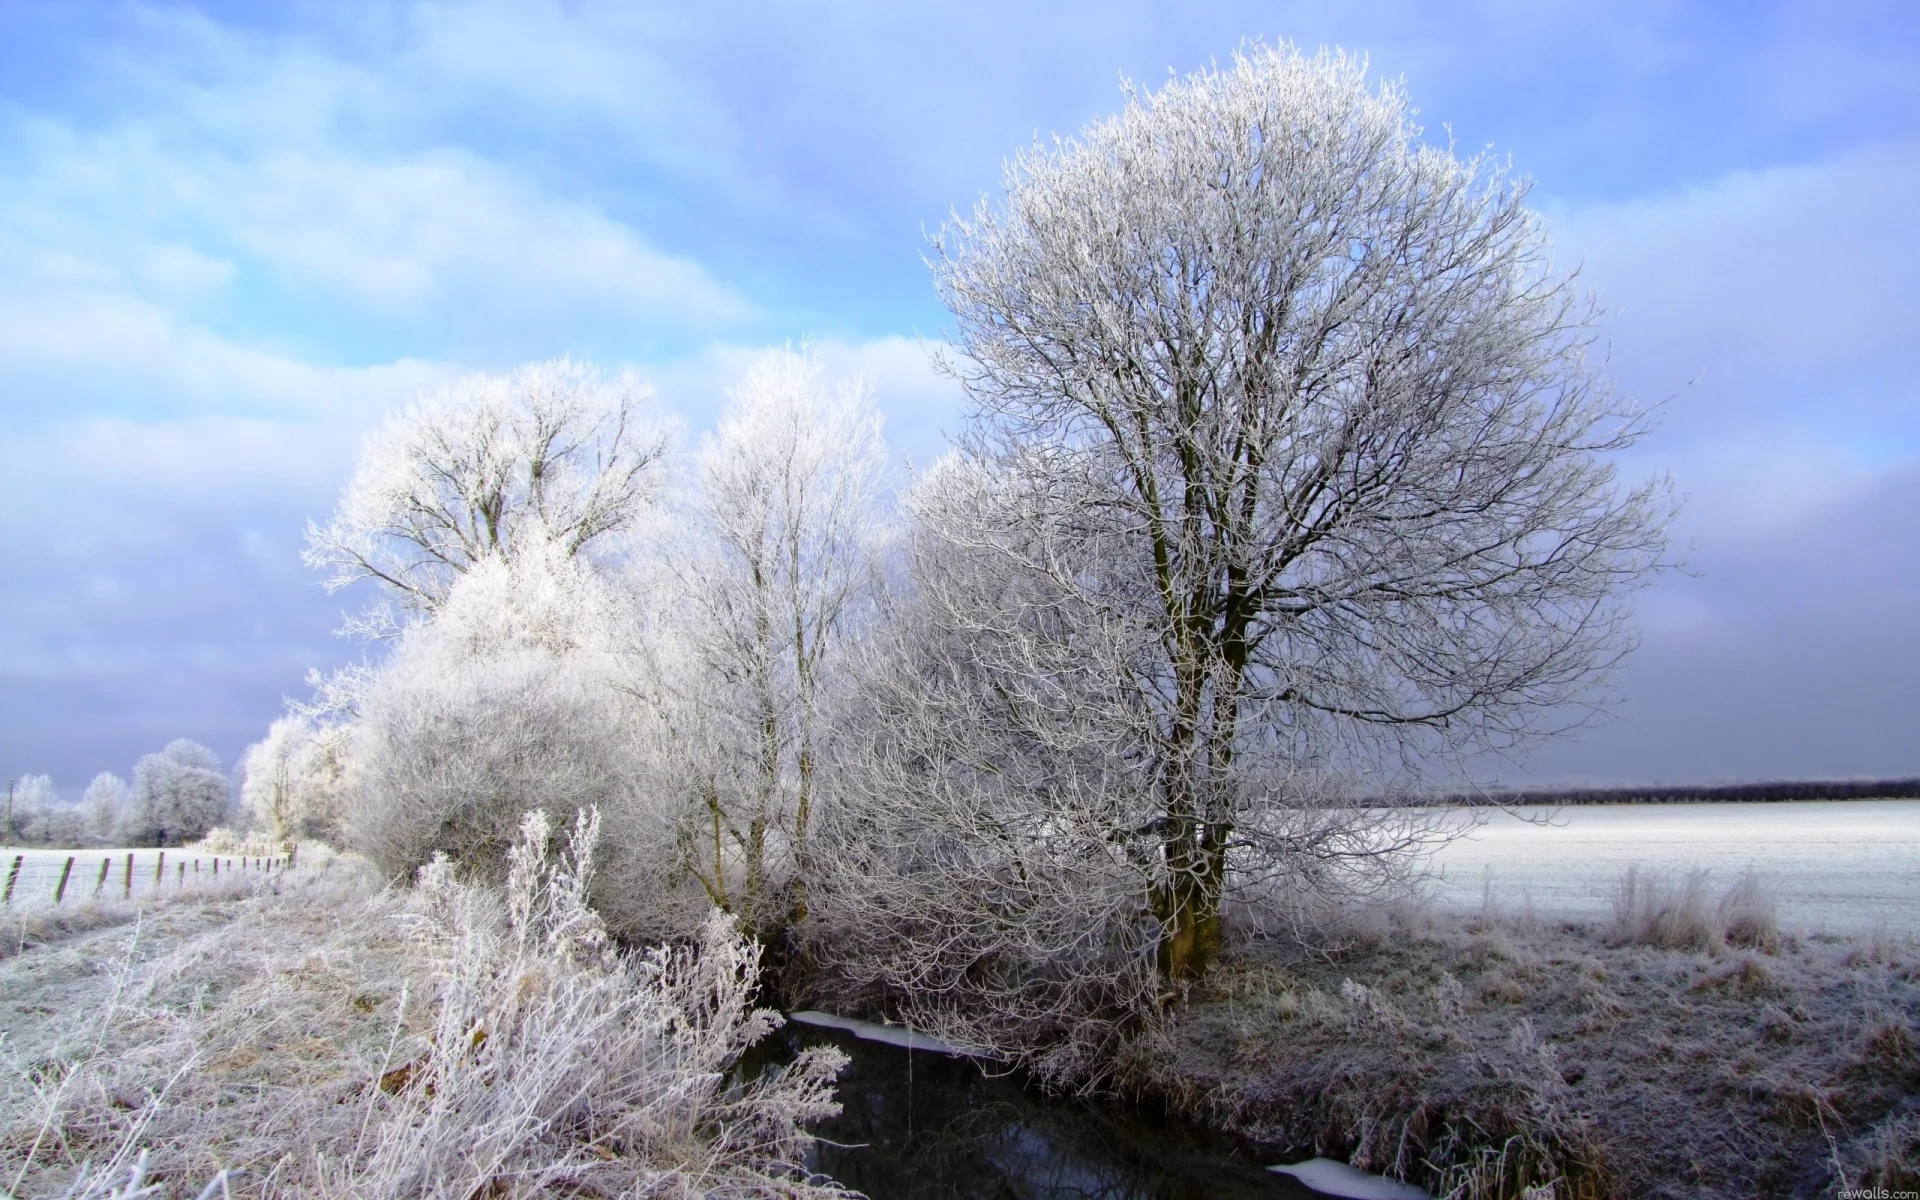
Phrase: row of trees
[1286,472]
[177,795]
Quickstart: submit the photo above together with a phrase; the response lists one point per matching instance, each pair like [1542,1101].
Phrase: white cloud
[625,72]
[1764,283]
[444,229]
[439,238]
[71,356]
[253,192]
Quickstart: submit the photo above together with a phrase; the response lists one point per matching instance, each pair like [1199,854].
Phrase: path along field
[1840,867]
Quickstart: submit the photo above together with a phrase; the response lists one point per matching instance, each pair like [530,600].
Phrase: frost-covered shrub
[509,699]
[27,800]
[556,1062]
[449,1041]
[450,751]
[178,794]
[57,825]
[39,818]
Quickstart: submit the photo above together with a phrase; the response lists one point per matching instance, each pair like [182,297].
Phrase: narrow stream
[920,1125]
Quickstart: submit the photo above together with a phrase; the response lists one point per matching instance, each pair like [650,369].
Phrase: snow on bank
[1339,1179]
[892,1035]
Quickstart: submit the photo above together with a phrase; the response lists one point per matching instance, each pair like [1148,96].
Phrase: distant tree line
[1709,793]
[178,794]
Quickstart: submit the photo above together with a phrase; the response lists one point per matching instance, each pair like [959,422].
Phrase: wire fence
[52,878]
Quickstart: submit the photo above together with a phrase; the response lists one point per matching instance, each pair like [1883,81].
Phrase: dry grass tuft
[1882,948]
[1682,913]
[1747,977]
[1892,1043]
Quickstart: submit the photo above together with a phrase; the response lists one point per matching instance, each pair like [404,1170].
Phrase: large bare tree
[1290,452]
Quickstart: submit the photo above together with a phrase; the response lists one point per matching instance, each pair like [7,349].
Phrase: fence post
[60,889]
[159,870]
[180,872]
[11,876]
[106,864]
[293,848]
[126,881]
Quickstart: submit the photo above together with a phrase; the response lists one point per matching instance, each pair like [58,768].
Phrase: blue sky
[233,236]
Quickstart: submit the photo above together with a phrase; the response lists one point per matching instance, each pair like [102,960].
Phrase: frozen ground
[1845,867]
[40,872]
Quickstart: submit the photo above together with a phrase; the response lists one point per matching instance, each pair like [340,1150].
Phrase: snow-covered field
[1845,867]
[40,872]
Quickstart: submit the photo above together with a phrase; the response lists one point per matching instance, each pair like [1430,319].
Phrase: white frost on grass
[447,1041]
[1841,867]
[1339,1179]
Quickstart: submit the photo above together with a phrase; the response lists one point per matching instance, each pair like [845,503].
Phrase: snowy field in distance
[40,872]
[1839,866]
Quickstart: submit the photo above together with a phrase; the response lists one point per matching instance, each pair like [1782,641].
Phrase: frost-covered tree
[38,816]
[35,792]
[772,562]
[105,800]
[552,454]
[1286,455]
[177,796]
[292,779]
[266,777]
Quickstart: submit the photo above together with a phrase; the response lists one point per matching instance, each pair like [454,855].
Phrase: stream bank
[1489,1054]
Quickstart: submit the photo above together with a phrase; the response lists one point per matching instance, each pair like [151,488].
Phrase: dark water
[918,1125]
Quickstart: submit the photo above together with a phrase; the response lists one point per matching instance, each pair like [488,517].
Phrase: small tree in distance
[291,779]
[105,800]
[178,795]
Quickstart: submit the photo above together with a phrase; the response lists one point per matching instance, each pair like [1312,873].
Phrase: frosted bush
[510,700]
[555,1061]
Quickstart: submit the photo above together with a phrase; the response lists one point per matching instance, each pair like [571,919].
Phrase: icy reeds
[1683,913]
[453,1041]
[555,1062]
